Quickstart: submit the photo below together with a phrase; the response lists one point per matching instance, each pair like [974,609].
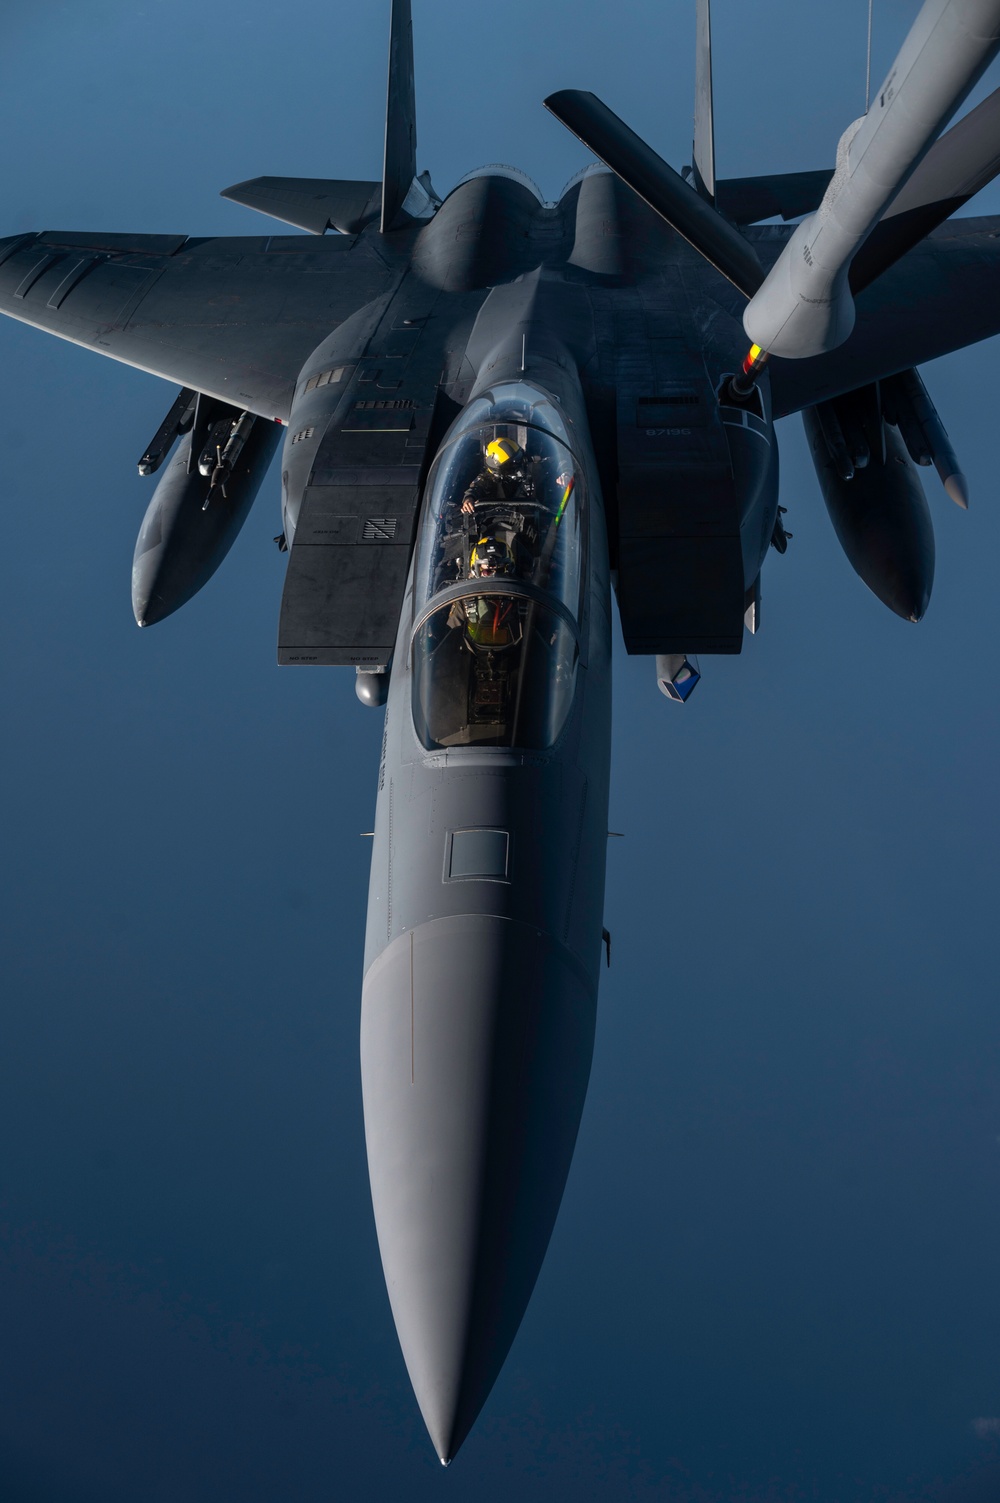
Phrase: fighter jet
[494,410]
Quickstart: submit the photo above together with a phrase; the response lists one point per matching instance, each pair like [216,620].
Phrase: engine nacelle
[193,519]
[879,512]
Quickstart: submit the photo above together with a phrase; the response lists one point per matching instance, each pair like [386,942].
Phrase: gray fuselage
[604,375]
[483,946]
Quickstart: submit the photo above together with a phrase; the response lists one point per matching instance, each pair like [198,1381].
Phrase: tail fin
[400,167]
[703,150]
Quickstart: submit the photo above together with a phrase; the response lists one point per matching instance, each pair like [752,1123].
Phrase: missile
[218,458]
[907,404]
[181,543]
[804,306]
[178,420]
[879,513]
[211,455]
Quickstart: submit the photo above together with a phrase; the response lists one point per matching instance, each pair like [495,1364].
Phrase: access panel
[347,573]
[354,536]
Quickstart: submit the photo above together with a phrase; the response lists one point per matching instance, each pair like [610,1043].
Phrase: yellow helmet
[491,556]
[501,452]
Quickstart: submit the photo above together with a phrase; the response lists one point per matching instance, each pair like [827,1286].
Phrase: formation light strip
[565,497]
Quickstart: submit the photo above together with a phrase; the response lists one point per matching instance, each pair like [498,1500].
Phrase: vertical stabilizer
[400,167]
[703,151]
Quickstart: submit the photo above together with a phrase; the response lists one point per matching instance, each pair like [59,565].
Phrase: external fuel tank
[881,517]
[191,523]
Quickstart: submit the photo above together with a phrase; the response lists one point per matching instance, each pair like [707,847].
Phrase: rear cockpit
[498,577]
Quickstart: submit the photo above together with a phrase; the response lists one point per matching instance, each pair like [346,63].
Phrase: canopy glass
[499,576]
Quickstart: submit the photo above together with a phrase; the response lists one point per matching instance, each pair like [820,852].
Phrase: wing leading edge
[233,318]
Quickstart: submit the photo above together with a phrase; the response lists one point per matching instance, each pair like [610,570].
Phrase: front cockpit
[499,575]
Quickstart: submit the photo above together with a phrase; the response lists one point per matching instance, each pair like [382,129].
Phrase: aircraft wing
[941,296]
[233,318]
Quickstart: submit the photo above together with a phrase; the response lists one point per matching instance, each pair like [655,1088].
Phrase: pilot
[490,621]
[504,477]
[501,499]
[490,557]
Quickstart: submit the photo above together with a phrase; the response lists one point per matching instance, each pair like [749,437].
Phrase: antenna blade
[701,225]
[400,166]
[703,150]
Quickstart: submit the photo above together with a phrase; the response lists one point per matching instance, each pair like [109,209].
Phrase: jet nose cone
[476,1042]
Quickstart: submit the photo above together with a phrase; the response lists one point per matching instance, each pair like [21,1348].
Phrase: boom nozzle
[742,387]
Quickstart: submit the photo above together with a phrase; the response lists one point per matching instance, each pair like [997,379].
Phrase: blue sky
[774,1273]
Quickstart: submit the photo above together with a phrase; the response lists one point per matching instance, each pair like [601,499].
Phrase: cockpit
[498,577]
